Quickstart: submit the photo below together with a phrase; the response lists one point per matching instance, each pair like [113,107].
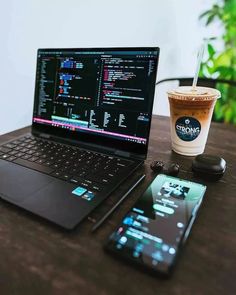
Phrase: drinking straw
[199,60]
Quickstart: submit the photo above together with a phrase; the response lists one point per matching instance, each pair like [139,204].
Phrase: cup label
[187,128]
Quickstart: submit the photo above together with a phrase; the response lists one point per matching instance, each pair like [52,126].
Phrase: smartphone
[153,231]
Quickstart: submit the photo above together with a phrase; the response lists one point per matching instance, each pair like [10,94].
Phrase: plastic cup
[190,115]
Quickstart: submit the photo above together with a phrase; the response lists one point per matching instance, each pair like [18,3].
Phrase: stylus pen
[100,222]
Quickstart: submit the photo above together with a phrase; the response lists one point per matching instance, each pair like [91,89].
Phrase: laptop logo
[83,193]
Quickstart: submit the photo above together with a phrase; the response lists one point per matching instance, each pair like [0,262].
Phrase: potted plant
[222,64]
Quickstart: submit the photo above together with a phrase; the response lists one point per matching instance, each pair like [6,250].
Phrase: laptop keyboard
[86,168]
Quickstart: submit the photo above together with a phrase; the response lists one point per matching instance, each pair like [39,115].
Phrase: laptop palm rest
[19,183]
[43,195]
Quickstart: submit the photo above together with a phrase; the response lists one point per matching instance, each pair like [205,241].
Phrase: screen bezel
[135,148]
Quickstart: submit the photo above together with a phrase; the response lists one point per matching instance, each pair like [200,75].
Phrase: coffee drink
[190,114]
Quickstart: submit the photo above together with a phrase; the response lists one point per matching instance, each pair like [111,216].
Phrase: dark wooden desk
[39,258]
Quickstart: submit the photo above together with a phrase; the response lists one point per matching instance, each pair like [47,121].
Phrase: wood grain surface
[37,257]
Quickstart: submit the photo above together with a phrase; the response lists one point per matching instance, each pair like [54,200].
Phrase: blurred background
[175,26]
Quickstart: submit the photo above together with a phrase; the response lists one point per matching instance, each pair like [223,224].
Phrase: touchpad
[18,183]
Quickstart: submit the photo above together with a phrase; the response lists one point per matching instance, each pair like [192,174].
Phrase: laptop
[90,130]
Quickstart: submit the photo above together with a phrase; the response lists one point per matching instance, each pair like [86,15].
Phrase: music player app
[152,231]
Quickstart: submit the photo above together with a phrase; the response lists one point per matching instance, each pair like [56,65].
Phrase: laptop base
[63,203]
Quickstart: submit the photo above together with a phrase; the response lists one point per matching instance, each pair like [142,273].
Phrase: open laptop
[90,131]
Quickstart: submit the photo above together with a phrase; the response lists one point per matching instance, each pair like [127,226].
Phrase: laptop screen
[107,93]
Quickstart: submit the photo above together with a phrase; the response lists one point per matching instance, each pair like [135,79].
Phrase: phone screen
[152,232]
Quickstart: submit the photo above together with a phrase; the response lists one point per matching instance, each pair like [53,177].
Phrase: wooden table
[39,258]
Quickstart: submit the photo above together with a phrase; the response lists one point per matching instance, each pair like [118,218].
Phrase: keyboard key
[121,164]
[40,161]
[16,142]
[44,156]
[81,174]
[19,155]
[24,150]
[56,166]
[88,196]
[105,180]
[23,144]
[88,181]
[12,153]
[33,159]
[9,145]
[27,140]
[11,158]
[96,188]
[4,156]
[48,163]
[4,150]
[30,152]
[83,183]
[65,176]
[74,180]
[56,174]
[23,139]
[25,157]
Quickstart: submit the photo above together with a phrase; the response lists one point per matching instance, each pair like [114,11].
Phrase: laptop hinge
[122,154]
[44,135]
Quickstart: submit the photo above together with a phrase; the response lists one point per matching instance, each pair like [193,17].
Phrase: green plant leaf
[222,64]
[228,115]
[211,50]
[224,59]
[218,113]
[210,19]
[225,72]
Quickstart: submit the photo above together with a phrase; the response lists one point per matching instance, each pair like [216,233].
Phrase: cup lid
[195,93]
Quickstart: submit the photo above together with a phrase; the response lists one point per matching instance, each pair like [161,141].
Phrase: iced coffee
[190,114]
